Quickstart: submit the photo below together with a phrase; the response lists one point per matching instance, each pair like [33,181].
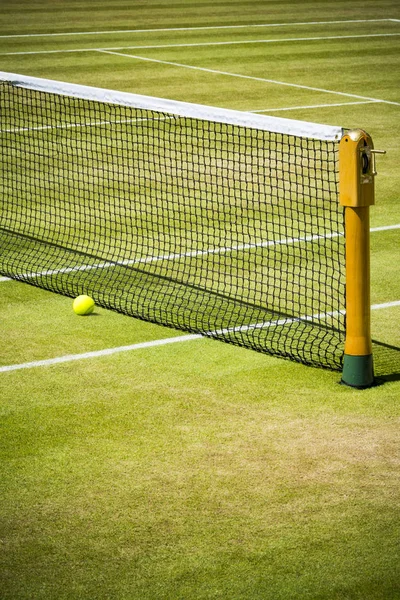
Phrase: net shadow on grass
[387,362]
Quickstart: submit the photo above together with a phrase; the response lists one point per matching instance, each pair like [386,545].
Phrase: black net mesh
[231,232]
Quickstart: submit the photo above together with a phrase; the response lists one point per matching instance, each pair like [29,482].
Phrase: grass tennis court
[194,469]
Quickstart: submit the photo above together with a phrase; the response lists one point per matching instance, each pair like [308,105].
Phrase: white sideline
[385,305]
[178,256]
[205,44]
[117,31]
[385,228]
[96,353]
[80,125]
[192,253]
[252,78]
[173,340]
[268,110]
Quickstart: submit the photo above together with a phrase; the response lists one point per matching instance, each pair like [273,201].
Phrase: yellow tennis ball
[83,305]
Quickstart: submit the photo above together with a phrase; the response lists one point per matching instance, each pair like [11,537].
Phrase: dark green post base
[358,371]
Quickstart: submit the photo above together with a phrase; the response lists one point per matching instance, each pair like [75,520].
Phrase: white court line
[385,305]
[263,110]
[385,228]
[88,124]
[25,35]
[174,340]
[178,256]
[69,125]
[229,74]
[192,253]
[97,353]
[205,44]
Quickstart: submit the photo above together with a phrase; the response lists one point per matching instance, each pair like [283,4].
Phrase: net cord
[278,125]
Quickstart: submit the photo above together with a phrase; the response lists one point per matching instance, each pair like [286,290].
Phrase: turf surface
[199,470]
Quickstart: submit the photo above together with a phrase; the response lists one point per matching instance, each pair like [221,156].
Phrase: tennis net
[208,220]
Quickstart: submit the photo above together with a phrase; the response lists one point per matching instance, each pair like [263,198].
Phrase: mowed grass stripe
[206,44]
[248,77]
[208,27]
[173,340]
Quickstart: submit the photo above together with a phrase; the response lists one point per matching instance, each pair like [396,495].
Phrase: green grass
[200,470]
[144,477]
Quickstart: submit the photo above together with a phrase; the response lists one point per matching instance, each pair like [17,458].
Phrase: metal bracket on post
[356,190]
